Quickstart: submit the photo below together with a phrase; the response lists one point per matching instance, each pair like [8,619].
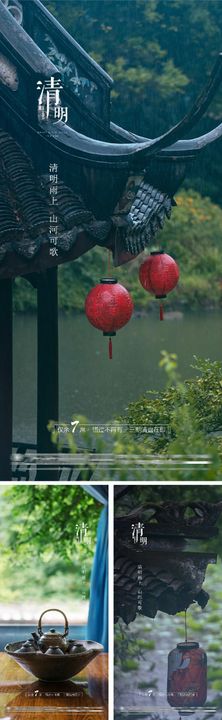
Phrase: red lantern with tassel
[109,307]
[159,274]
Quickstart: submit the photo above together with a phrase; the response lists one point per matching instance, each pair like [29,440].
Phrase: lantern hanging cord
[115,246]
[161,311]
[185,624]
[109,263]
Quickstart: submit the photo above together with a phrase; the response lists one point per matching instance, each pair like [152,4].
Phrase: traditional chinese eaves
[115,188]
[25,211]
[160,574]
[168,586]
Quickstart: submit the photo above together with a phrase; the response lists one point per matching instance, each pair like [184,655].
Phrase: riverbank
[90,384]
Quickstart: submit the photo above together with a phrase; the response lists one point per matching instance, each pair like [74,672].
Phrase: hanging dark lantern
[159,274]
[109,307]
[187,676]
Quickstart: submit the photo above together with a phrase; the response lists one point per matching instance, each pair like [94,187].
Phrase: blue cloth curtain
[97,627]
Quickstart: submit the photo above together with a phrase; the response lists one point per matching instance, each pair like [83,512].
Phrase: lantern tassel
[161,311]
[110,349]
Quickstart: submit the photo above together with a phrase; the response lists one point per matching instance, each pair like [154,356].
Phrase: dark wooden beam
[5,379]
[47,374]
[14,265]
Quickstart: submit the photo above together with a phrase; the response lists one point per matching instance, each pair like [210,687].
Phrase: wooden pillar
[47,373]
[6,384]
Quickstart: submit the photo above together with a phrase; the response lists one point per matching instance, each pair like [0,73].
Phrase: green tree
[189,410]
[42,551]
[159,54]
[44,518]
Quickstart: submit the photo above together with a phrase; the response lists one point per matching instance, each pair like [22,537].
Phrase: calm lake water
[91,384]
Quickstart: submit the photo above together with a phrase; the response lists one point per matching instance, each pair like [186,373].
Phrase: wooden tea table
[22,697]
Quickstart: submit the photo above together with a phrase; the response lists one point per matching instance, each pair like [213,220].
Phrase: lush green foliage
[159,54]
[189,415]
[24,296]
[39,541]
[194,406]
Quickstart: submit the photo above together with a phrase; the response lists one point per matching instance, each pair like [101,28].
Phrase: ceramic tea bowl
[53,667]
[52,656]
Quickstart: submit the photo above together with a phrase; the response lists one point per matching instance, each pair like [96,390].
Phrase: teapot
[51,638]
[50,656]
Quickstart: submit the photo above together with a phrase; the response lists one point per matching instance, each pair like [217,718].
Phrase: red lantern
[187,676]
[109,307]
[159,274]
